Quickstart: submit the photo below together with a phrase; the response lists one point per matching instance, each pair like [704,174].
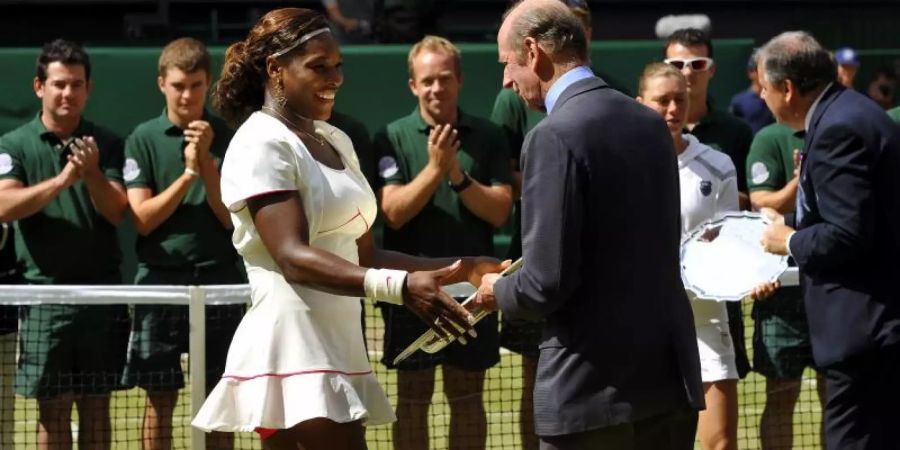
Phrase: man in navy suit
[845,237]
[618,365]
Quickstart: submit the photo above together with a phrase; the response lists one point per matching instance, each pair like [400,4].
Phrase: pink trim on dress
[358,214]
[291,374]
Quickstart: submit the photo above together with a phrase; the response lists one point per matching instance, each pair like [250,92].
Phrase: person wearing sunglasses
[691,51]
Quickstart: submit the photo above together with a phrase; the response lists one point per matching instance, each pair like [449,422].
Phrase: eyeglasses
[697,64]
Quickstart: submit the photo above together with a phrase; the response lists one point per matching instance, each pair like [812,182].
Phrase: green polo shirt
[728,134]
[895,114]
[515,118]
[444,227]
[67,242]
[192,235]
[770,164]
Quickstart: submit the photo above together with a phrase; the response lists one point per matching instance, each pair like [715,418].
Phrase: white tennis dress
[708,188]
[298,353]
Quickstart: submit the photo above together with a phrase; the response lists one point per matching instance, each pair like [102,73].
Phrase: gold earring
[279,93]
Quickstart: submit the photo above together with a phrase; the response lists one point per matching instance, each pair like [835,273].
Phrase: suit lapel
[803,206]
[830,96]
[578,87]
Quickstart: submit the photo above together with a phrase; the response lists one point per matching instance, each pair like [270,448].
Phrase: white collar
[692,151]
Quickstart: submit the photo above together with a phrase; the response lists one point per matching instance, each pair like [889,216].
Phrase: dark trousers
[670,431]
[862,412]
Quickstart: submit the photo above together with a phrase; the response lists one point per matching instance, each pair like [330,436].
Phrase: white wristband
[191,172]
[385,285]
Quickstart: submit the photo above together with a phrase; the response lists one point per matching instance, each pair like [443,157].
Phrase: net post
[197,359]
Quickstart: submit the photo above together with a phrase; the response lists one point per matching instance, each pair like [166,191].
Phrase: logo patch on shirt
[759,173]
[6,164]
[387,167]
[131,170]
[705,187]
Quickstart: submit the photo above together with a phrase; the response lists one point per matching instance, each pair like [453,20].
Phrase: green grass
[502,391]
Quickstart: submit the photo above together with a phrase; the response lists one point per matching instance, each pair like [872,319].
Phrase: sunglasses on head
[696,64]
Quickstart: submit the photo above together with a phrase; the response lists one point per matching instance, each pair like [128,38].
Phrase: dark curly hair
[242,85]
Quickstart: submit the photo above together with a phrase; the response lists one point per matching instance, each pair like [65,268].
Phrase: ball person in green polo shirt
[61,180]
[691,51]
[172,175]
[445,187]
[781,345]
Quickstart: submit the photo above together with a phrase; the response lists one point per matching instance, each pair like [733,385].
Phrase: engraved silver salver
[722,259]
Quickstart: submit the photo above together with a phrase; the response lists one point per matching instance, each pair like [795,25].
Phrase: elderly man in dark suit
[618,365]
[845,237]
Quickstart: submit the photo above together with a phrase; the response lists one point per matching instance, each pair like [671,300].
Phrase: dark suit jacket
[601,230]
[847,243]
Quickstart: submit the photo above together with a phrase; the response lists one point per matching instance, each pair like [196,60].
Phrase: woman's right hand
[423,295]
[765,290]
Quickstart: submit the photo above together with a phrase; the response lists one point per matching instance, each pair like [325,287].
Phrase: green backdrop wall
[375,85]
[375,89]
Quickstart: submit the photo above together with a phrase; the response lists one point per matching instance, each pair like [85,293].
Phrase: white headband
[301,40]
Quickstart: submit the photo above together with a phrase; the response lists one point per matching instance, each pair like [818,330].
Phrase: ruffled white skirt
[298,354]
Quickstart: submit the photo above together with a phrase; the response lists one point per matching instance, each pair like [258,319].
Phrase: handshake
[460,317]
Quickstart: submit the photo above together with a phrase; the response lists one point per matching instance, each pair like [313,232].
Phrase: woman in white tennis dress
[297,371]
[663,88]
[295,339]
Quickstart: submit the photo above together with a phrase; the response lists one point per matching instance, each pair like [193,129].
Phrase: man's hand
[349,24]
[86,157]
[424,297]
[772,215]
[764,290]
[473,268]
[797,162]
[455,174]
[69,175]
[192,157]
[201,134]
[443,142]
[774,238]
[485,296]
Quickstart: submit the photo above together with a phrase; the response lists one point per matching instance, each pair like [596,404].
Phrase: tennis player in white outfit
[297,371]
[708,187]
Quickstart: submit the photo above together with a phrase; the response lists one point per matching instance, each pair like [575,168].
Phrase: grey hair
[556,29]
[797,56]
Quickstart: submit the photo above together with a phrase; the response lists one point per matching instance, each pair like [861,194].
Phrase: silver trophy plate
[722,258]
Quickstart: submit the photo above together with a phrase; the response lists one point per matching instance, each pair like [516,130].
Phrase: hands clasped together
[83,161]
[443,144]
[199,137]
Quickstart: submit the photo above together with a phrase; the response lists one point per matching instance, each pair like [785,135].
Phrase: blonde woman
[708,187]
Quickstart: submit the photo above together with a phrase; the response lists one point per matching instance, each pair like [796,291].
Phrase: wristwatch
[465,183]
